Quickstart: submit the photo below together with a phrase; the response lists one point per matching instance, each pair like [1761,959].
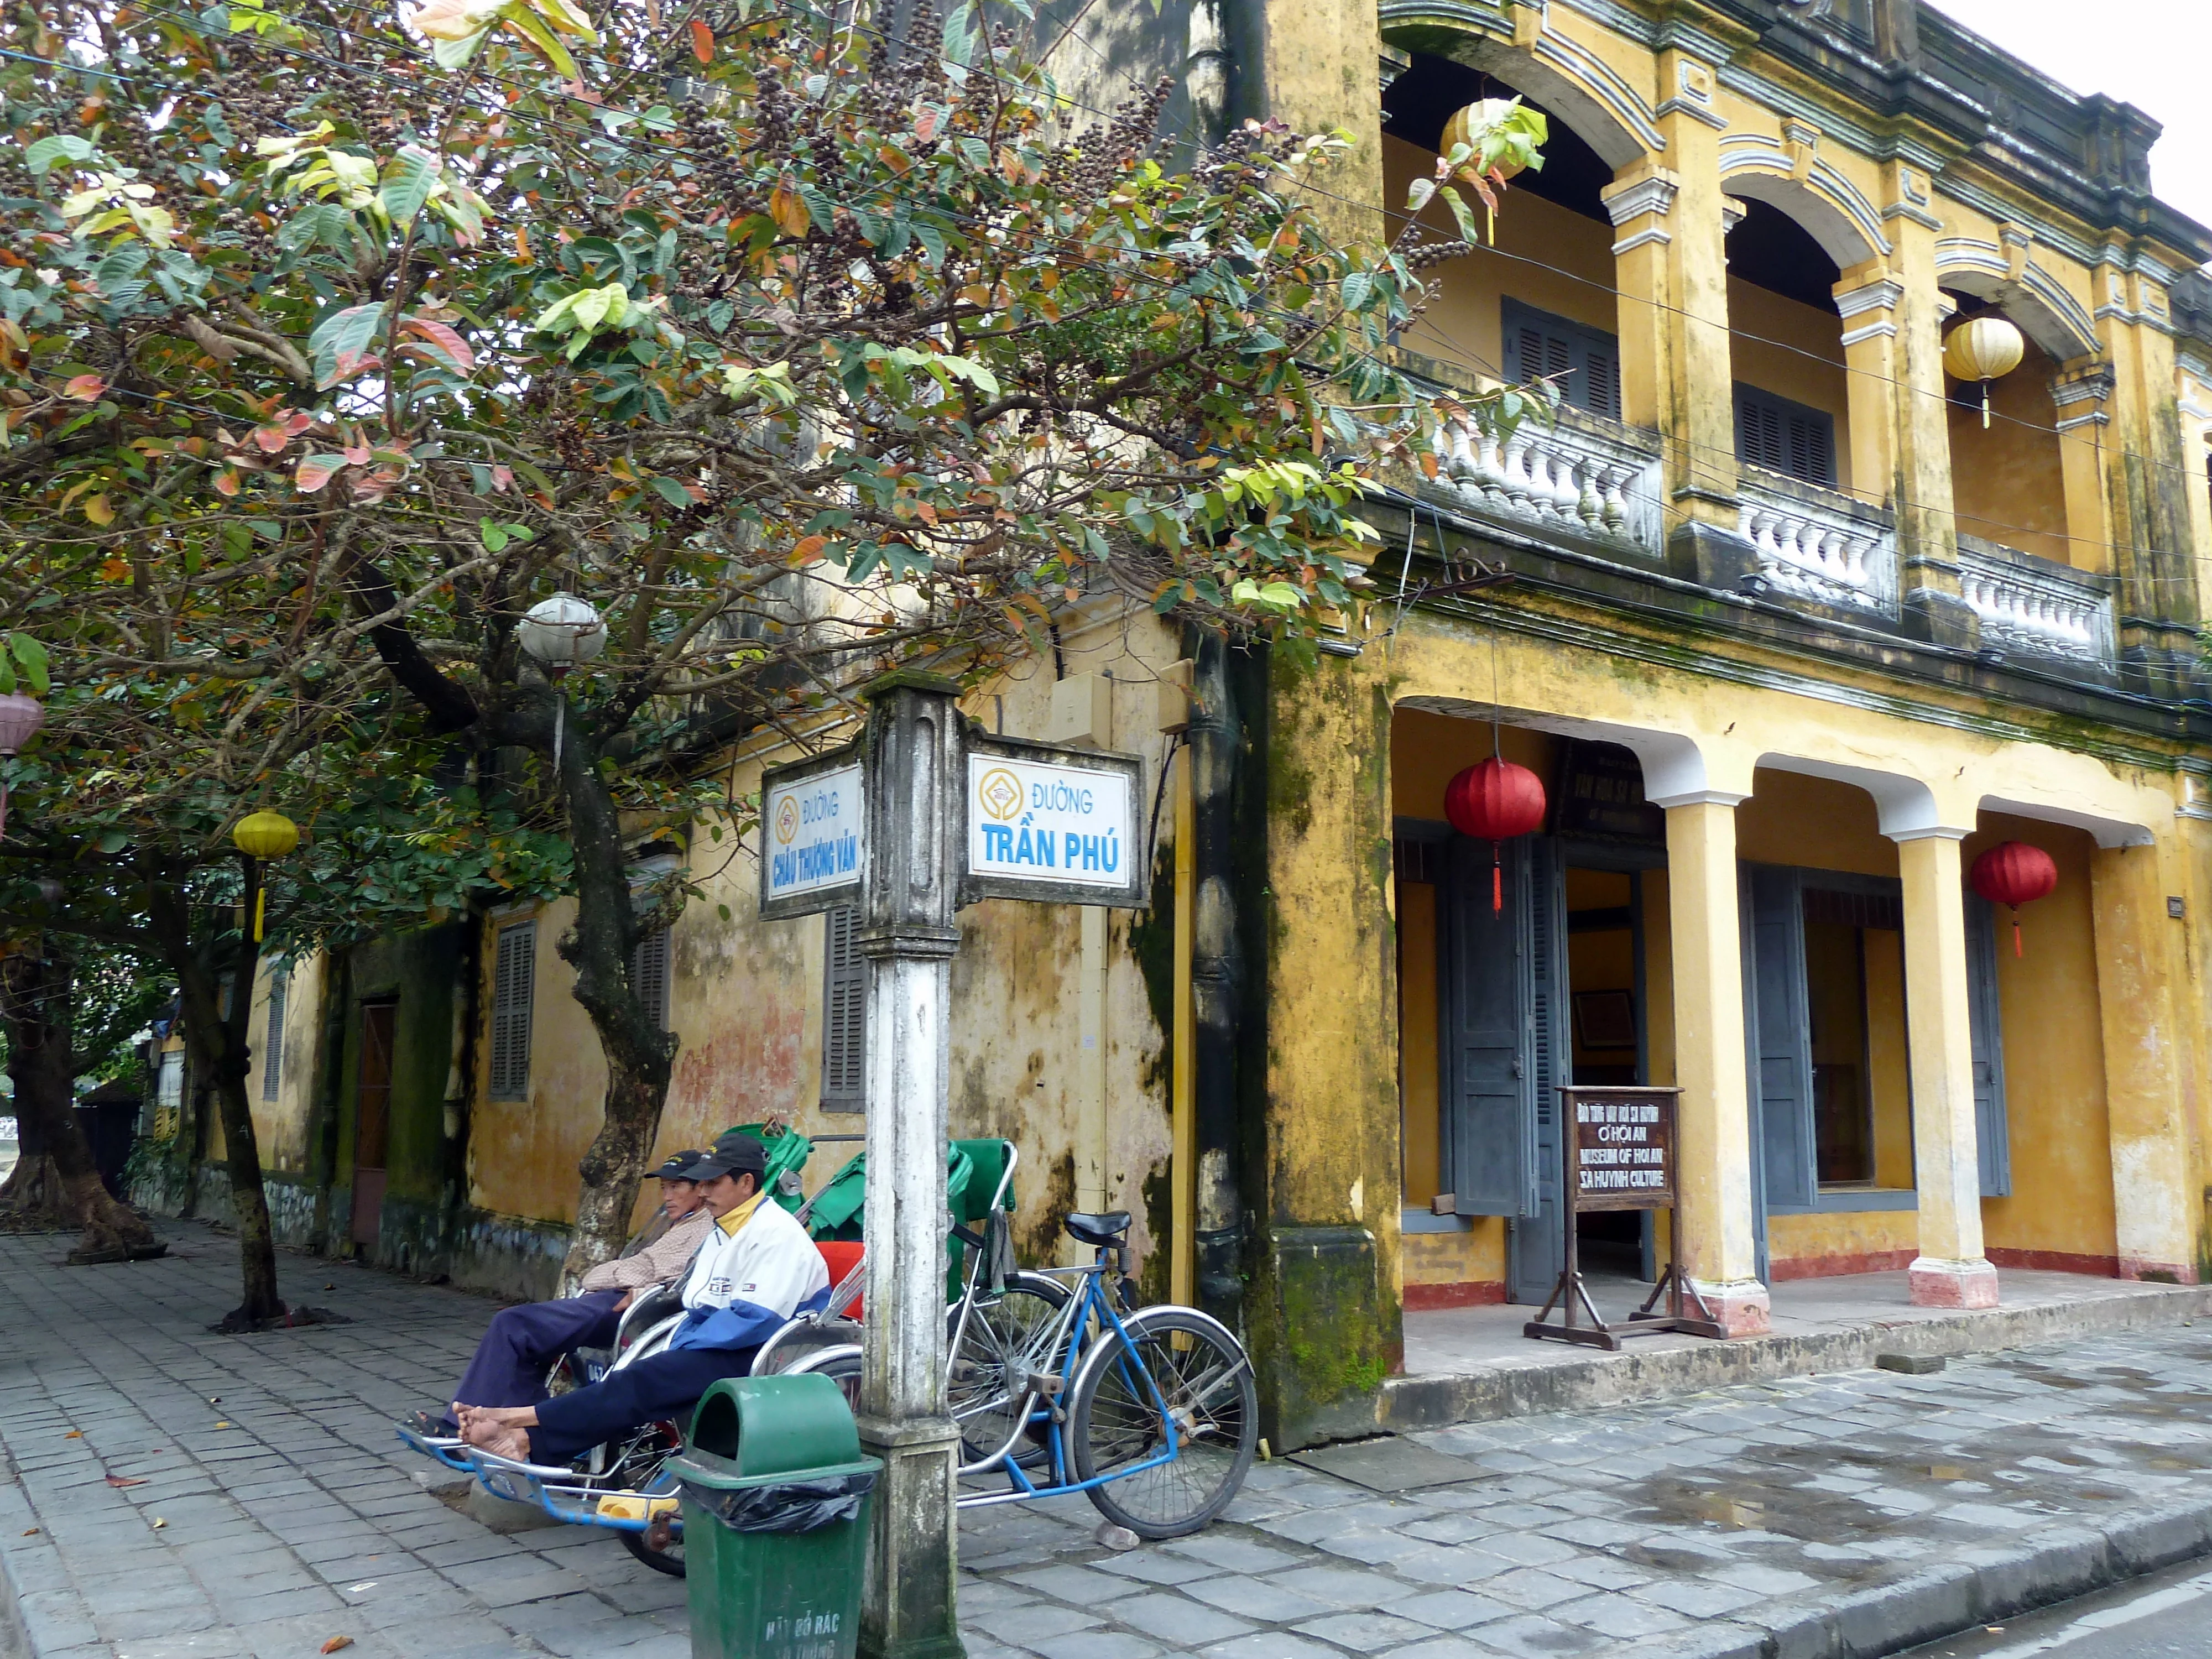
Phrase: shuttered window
[1583,364]
[514,982]
[844,1012]
[648,976]
[1783,437]
[272,1047]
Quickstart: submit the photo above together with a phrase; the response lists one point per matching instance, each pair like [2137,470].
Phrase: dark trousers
[667,1385]
[511,1362]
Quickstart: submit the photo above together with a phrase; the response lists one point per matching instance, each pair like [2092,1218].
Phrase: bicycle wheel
[641,1465]
[1007,1336]
[1201,1375]
[843,1368]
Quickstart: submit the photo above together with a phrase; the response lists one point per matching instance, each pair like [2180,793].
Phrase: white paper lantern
[563,633]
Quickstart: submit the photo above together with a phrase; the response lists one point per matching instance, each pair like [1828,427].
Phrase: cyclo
[1058,1380]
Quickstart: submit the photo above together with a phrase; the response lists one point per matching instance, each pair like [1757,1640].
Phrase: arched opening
[2008,478]
[1792,392]
[1540,303]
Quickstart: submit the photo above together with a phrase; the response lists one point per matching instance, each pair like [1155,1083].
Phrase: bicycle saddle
[1106,1229]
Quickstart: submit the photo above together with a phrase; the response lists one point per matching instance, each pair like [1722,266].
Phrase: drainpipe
[1217,983]
[1206,70]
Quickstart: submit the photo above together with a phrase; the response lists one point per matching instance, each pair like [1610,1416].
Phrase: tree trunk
[219,1053]
[32,1193]
[35,996]
[639,1055]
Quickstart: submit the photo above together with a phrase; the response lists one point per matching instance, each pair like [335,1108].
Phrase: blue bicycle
[1059,1382]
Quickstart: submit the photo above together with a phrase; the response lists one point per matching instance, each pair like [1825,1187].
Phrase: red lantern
[2014,874]
[1495,802]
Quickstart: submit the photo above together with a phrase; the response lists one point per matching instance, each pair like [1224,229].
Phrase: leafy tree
[794,349]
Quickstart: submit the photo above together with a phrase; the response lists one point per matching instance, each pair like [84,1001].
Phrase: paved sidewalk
[1832,1515]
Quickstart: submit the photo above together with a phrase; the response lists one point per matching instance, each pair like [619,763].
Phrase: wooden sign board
[1623,1148]
[1619,1156]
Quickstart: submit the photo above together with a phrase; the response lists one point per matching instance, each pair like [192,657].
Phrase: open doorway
[1605,947]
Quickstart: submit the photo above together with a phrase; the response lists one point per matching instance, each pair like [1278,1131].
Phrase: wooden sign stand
[1617,1152]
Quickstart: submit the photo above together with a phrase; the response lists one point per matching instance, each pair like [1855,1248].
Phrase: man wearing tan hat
[512,1361]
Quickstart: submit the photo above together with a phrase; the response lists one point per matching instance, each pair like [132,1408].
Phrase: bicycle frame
[1069,1340]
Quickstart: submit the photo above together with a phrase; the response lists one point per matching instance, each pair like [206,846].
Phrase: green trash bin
[775,1497]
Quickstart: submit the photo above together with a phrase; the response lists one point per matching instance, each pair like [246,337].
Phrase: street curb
[2055,1565]
[1594,1381]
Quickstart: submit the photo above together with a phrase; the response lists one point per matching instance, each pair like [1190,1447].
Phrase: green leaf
[340,344]
[60,146]
[673,492]
[32,654]
[408,183]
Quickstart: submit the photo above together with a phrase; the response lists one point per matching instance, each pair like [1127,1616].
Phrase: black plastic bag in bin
[787,1505]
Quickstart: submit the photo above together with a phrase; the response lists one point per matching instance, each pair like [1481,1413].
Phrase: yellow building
[1793,636]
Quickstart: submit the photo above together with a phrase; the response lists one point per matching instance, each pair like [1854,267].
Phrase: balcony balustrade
[1588,478]
[1814,543]
[2035,607]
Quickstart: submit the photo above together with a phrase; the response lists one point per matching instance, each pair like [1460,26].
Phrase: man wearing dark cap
[756,1270]
[512,1361]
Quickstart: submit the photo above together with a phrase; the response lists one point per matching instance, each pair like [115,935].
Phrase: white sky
[2151,53]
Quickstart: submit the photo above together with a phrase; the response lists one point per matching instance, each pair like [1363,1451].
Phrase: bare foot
[507,1442]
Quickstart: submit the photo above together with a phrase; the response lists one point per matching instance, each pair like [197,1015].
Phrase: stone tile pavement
[1813,1510]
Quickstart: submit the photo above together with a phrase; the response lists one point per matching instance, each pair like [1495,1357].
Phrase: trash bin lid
[774,1425]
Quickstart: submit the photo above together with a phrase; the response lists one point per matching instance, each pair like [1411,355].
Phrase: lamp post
[21,717]
[559,633]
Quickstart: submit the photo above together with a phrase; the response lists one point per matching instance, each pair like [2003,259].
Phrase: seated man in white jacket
[756,1270]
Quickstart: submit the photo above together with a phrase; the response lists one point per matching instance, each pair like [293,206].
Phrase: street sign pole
[913,765]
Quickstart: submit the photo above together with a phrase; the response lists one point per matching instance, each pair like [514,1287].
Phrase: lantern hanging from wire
[2013,874]
[1496,802]
[21,717]
[1983,349]
[1468,126]
[262,836]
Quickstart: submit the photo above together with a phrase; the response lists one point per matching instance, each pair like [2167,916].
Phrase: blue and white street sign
[813,835]
[1052,825]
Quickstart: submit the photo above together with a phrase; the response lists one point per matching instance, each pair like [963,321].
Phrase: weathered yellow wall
[2062,1197]
[1887,1059]
[280,1126]
[745,1000]
[2008,482]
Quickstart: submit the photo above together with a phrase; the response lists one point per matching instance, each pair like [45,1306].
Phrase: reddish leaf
[271,438]
[316,471]
[440,343]
[336,1643]
[85,388]
[703,41]
[502,478]
[114,570]
[925,123]
[225,482]
[123,1481]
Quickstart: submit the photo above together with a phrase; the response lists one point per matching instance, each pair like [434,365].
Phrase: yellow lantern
[1466,127]
[1983,349]
[264,834]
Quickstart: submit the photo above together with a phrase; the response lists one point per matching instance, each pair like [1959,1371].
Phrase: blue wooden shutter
[1785,437]
[272,1049]
[648,976]
[1551,1046]
[1583,363]
[1492,1151]
[1992,1133]
[514,976]
[1778,1027]
[844,1012]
